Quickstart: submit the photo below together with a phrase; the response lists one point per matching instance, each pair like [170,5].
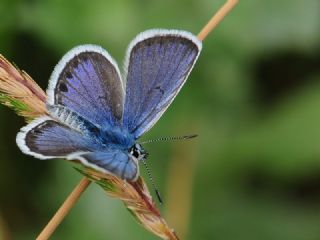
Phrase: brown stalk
[64,209]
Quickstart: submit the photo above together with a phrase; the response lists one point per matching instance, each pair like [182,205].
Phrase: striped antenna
[186,137]
[152,181]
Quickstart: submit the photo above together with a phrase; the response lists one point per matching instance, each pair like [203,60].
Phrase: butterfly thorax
[116,136]
[121,138]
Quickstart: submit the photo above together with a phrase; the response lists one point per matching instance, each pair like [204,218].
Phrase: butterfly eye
[136,153]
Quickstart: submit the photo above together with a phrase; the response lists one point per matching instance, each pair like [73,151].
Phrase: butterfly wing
[46,138]
[158,63]
[116,162]
[87,81]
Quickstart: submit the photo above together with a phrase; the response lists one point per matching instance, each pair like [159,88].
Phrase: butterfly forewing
[87,81]
[158,63]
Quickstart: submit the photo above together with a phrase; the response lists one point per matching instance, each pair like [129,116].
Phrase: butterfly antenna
[186,137]
[152,182]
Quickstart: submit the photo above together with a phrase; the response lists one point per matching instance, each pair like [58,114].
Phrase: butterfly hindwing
[45,138]
[87,81]
[112,161]
[158,64]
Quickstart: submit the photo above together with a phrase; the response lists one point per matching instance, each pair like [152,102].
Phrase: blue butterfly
[96,116]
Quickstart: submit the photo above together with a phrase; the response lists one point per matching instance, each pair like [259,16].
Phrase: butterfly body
[95,116]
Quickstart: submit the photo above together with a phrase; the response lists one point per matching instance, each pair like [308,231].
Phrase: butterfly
[96,115]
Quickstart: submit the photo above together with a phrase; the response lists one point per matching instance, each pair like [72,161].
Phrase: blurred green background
[253,98]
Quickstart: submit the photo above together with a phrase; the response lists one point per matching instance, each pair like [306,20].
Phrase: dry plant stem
[85,182]
[64,209]
[216,19]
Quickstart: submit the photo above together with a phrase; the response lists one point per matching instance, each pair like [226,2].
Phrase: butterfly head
[138,152]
